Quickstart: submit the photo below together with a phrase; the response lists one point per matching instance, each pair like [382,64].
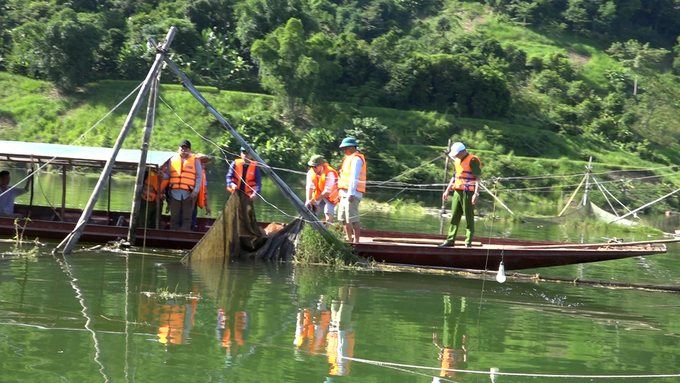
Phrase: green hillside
[535,88]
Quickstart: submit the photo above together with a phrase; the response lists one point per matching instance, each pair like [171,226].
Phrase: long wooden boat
[382,246]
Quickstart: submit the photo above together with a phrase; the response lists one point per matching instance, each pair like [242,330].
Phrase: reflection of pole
[588,170]
[70,241]
[306,214]
[141,167]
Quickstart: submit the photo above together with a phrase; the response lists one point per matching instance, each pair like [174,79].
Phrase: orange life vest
[339,367]
[201,192]
[450,359]
[345,175]
[183,173]
[171,324]
[250,177]
[465,180]
[149,192]
[320,184]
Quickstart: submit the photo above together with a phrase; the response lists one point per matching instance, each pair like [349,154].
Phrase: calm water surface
[102,316]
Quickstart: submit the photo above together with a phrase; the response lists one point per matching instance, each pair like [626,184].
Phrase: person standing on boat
[202,200]
[244,174]
[9,193]
[150,193]
[322,187]
[184,172]
[352,185]
[468,172]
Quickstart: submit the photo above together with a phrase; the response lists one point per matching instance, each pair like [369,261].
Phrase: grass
[313,248]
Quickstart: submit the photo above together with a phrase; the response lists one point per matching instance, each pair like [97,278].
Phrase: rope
[77,139]
[528,375]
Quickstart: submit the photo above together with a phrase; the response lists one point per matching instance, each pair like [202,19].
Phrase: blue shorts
[327,207]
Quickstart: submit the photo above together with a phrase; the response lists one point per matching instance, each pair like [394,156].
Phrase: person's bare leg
[329,218]
[357,231]
[349,231]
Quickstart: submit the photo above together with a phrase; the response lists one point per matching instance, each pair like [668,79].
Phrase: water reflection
[452,343]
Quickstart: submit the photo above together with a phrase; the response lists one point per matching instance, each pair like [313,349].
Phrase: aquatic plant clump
[314,248]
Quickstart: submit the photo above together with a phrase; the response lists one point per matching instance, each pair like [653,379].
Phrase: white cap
[456,148]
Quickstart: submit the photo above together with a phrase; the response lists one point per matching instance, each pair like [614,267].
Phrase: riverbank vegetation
[533,88]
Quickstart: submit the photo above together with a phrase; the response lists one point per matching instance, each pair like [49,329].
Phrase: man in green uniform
[468,172]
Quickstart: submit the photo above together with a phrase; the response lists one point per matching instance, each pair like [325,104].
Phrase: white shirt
[7,200]
[355,173]
[330,181]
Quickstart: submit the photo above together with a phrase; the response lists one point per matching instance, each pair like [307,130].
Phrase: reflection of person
[184,173]
[340,338]
[244,174]
[175,322]
[322,187]
[232,331]
[312,327]
[468,172]
[9,193]
[352,185]
[150,193]
[453,347]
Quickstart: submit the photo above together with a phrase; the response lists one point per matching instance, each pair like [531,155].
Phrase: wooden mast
[70,241]
[141,168]
[290,196]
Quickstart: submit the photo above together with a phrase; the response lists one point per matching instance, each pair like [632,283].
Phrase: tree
[676,59]
[291,66]
[62,51]
[522,10]
[636,57]
[576,14]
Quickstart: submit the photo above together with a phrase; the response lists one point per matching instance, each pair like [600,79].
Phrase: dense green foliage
[516,80]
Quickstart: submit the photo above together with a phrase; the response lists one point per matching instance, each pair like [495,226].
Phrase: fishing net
[236,235]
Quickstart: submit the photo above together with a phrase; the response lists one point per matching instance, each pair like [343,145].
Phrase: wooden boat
[382,246]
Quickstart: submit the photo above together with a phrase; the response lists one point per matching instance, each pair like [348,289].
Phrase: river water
[143,316]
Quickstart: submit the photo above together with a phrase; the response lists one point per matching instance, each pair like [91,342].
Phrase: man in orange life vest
[186,175]
[322,187]
[152,191]
[244,174]
[468,172]
[453,352]
[352,185]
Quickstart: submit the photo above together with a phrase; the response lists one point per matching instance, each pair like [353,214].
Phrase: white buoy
[500,277]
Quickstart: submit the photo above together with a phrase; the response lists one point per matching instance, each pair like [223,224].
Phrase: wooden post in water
[290,196]
[63,193]
[588,170]
[141,168]
[70,241]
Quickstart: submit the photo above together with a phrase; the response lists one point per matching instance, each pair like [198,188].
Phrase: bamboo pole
[495,197]
[63,193]
[573,195]
[604,244]
[644,206]
[446,174]
[290,196]
[588,170]
[141,167]
[70,241]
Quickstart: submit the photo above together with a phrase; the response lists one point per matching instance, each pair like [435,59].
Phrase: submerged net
[236,235]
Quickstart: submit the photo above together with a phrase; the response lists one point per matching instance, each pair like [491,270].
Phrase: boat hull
[381,246]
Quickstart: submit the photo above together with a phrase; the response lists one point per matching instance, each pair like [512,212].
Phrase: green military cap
[316,160]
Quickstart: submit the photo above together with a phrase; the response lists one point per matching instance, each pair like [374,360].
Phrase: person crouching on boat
[352,185]
[244,174]
[184,172]
[9,193]
[322,187]
[468,172]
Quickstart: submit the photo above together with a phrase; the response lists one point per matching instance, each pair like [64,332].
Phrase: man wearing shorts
[352,185]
